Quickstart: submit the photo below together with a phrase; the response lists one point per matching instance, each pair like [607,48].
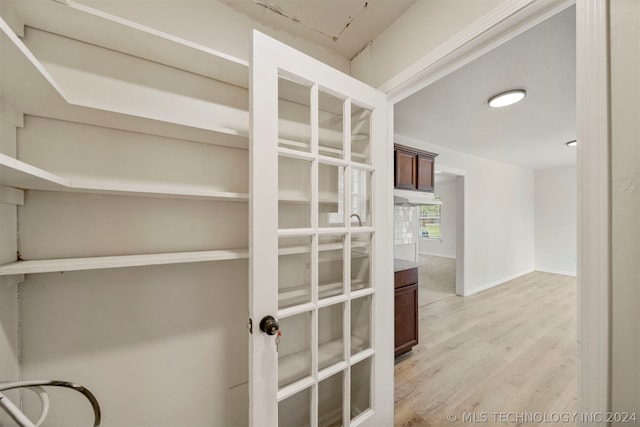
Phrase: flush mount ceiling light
[507,98]
[572,143]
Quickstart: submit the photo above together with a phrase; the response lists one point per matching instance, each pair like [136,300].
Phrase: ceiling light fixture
[507,98]
[572,143]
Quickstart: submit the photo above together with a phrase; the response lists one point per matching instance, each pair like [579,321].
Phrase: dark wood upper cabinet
[413,168]
[406,170]
[425,173]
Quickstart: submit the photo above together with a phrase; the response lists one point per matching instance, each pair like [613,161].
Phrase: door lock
[269,325]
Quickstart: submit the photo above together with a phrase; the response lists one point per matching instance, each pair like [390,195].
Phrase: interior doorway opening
[477,353]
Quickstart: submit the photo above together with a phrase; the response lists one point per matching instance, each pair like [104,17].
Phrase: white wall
[212,24]
[625,204]
[446,246]
[160,345]
[9,311]
[426,25]
[499,216]
[556,220]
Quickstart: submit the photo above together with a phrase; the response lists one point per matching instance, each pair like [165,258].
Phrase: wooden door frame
[592,64]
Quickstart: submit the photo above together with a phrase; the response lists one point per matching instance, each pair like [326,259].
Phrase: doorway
[441,238]
[499,242]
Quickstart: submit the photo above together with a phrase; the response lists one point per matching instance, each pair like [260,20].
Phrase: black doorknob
[269,325]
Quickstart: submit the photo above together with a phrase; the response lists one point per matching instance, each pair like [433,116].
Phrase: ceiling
[453,111]
[344,26]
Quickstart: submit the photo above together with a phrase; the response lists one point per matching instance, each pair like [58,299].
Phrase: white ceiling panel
[453,112]
[344,26]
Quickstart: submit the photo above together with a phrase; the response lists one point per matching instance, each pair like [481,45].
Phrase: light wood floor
[511,348]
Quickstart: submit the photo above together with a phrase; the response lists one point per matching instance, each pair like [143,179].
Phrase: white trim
[450,170]
[438,255]
[553,271]
[502,24]
[461,234]
[507,21]
[263,232]
[468,292]
[434,202]
[594,252]
[271,58]
[429,239]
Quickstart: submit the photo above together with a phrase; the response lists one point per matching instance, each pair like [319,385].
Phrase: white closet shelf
[304,249]
[330,353]
[104,262]
[293,366]
[294,295]
[28,88]
[355,254]
[322,148]
[340,152]
[82,22]
[21,175]
[293,143]
[301,200]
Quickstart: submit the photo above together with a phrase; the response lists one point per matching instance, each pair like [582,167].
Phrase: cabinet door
[320,246]
[406,318]
[425,173]
[405,170]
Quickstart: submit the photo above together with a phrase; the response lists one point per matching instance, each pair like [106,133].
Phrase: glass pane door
[324,282]
[314,266]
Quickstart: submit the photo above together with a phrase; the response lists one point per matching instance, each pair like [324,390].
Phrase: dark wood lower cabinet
[406,310]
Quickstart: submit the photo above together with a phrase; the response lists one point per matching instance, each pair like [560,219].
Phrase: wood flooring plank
[511,348]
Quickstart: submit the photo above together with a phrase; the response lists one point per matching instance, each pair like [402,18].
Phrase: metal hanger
[36,386]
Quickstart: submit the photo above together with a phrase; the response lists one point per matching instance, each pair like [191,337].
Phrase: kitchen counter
[403,264]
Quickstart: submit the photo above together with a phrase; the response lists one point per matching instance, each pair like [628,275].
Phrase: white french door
[321,284]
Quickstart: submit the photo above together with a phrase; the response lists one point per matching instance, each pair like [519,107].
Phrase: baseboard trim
[468,292]
[551,270]
[440,255]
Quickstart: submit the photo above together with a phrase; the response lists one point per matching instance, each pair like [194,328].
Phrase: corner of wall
[361,66]
[502,281]
[423,27]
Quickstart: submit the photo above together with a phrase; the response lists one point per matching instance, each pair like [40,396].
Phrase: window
[430,221]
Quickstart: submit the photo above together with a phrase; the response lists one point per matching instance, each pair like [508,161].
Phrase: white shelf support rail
[105,262]
[11,196]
